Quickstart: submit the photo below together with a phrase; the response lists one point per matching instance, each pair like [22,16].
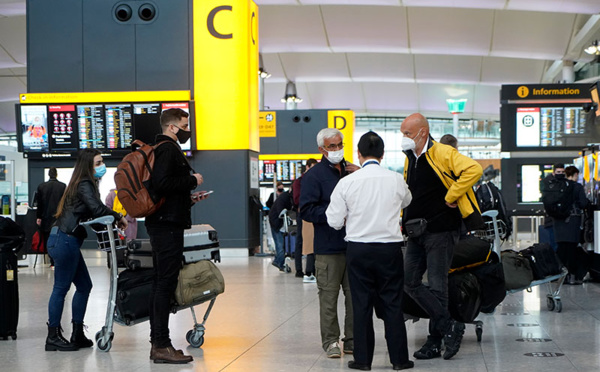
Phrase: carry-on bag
[517,270]
[134,289]
[470,251]
[464,296]
[201,242]
[9,286]
[491,278]
[199,282]
[138,255]
[544,261]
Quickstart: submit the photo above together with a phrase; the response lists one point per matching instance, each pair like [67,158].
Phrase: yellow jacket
[459,174]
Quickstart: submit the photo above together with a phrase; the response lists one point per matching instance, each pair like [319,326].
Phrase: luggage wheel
[103,345]
[554,304]
[478,331]
[195,337]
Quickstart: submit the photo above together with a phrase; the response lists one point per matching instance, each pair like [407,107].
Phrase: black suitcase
[134,289]
[138,255]
[544,261]
[120,258]
[9,287]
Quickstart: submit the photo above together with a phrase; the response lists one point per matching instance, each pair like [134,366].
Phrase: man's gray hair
[327,133]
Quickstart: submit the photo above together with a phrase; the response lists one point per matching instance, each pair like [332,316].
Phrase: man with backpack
[172,179]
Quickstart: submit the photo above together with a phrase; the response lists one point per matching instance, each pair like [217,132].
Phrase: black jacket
[317,186]
[283,201]
[172,179]
[86,205]
[47,198]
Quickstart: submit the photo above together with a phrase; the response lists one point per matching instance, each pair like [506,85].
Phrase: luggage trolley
[494,231]
[110,239]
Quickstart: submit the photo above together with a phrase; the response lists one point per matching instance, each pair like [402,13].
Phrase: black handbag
[415,227]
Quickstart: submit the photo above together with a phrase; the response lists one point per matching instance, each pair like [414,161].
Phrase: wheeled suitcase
[134,289]
[138,254]
[201,242]
[9,287]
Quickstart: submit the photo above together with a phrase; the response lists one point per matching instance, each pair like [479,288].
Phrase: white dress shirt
[368,202]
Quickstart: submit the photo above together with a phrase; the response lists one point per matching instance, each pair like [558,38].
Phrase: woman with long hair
[80,202]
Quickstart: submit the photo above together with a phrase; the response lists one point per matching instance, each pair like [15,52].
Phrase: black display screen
[119,126]
[63,127]
[147,121]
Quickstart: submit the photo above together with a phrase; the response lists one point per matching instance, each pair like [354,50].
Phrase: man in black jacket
[329,244]
[47,198]
[283,201]
[172,178]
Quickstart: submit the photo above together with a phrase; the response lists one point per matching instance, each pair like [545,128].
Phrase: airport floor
[269,321]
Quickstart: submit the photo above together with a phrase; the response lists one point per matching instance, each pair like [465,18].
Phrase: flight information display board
[63,129]
[286,171]
[550,126]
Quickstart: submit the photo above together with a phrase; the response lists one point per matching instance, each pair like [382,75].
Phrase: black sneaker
[453,338]
[431,349]
[299,274]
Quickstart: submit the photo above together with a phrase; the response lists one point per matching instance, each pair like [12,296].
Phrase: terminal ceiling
[385,57]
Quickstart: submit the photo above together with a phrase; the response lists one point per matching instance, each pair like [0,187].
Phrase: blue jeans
[279,254]
[69,267]
[431,252]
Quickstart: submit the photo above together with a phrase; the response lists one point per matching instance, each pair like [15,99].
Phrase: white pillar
[568,72]
[455,125]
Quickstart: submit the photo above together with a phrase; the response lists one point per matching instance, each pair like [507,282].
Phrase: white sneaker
[333,350]
[309,279]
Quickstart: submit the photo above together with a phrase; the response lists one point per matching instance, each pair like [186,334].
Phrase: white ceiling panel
[559,6]
[350,2]
[11,88]
[445,68]
[274,91]
[432,97]
[401,97]
[450,31]
[291,29]
[486,100]
[273,66]
[512,70]
[366,28]
[315,66]
[13,39]
[381,67]
[12,8]
[480,4]
[531,34]
[336,95]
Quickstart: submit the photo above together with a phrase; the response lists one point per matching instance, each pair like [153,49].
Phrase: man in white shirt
[368,202]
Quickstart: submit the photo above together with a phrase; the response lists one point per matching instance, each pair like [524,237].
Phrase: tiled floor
[268,321]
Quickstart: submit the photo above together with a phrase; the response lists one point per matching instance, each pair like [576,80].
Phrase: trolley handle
[104,220]
[491,213]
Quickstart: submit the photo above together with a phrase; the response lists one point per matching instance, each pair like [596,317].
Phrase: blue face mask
[100,171]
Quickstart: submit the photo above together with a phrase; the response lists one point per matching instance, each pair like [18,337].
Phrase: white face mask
[335,156]
[407,143]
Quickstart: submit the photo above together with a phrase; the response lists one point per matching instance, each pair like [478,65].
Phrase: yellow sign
[267,123]
[225,41]
[522,91]
[343,120]
[99,97]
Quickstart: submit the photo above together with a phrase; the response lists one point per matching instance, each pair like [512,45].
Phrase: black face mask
[560,176]
[280,190]
[183,136]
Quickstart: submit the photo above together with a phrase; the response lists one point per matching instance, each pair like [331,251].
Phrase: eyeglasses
[334,147]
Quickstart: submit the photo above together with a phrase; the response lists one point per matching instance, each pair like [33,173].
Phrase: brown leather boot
[169,355]
[152,357]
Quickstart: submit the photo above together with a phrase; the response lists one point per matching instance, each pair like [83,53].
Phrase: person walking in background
[308,274]
[369,203]
[441,182]
[282,201]
[47,197]
[80,202]
[567,231]
[112,201]
[450,140]
[329,244]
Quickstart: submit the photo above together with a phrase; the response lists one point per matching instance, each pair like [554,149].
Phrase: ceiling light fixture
[290,93]
[262,73]
[593,49]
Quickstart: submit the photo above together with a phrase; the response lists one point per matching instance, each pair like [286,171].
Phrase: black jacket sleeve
[164,177]
[86,192]
[311,205]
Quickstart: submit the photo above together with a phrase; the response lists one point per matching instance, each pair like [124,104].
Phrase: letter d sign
[339,122]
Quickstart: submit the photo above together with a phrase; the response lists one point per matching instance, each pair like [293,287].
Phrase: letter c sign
[210,22]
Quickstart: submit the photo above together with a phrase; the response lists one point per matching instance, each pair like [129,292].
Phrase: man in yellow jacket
[441,182]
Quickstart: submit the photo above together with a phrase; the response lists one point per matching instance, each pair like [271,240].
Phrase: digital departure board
[147,121]
[550,126]
[286,171]
[119,126]
[92,129]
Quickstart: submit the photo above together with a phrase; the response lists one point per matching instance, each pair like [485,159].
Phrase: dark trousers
[376,275]
[310,258]
[431,252]
[569,255]
[167,252]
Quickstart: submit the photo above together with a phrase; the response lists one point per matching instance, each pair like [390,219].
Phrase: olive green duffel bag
[199,282]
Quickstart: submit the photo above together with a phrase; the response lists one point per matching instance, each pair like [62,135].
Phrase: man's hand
[198,195]
[351,167]
[122,223]
[452,205]
[39,222]
[199,179]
